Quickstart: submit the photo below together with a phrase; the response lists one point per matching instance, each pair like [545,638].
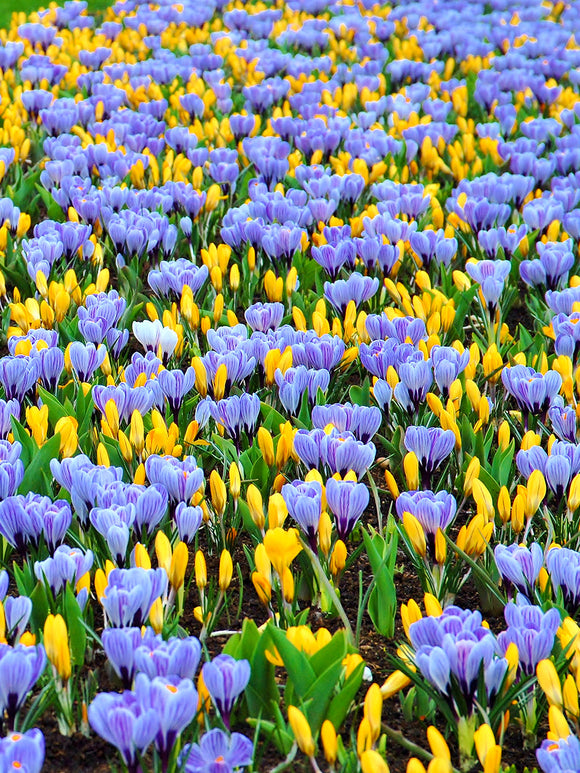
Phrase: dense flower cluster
[290,295]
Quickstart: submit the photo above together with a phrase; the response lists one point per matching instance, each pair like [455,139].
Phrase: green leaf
[40,608]
[56,409]
[321,692]
[29,447]
[37,476]
[361,395]
[340,704]
[382,605]
[76,628]
[334,651]
[300,673]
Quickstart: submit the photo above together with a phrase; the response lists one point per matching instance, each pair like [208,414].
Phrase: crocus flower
[347,501]
[120,645]
[447,363]
[431,446]
[175,702]
[130,594]
[519,566]
[225,679]
[20,668]
[123,721]
[532,631]
[433,511]
[559,756]
[491,276]
[22,751]
[181,479]
[362,420]
[563,566]
[217,752]
[357,288]
[532,391]
[303,501]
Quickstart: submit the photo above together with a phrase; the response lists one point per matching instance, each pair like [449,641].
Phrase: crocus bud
[266,445]
[256,506]
[226,570]
[325,532]
[372,762]
[200,569]
[156,616]
[411,467]
[301,730]
[415,533]
[329,741]
[549,681]
[163,550]
[56,645]
[218,493]
[338,558]
[373,707]
[178,565]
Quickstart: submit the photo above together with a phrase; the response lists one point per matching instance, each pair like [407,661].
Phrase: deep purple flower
[226,679]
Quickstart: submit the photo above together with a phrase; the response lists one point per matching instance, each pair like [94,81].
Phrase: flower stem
[323,579]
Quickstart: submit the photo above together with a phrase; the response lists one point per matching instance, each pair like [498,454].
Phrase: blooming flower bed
[289,422]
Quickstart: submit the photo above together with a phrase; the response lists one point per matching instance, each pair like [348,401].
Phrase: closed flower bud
[574,494]
[178,565]
[137,433]
[163,551]
[218,493]
[394,683]
[156,616]
[535,492]
[471,474]
[518,513]
[235,481]
[338,558]
[263,588]
[141,556]
[391,484]
[440,547]
[200,376]
[200,568]
[504,505]
[277,511]
[411,467]
[288,585]
[373,707]
[415,533]
[226,570]
[503,435]
[266,445]
[325,532]
[364,736]
[219,382]
[372,762]
[56,645]
[549,681]
[329,742]
[301,731]
[256,506]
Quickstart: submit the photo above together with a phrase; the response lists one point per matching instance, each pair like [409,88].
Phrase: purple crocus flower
[563,420]
[130,594]
[563,566]
[175,385]
[304,503]
[561,756]
[20,668]
[447,364]
[362,420]
[85,359]
[457,645]
[567,332]
[175,657]
[23,751]
[433,511]
[123,721]
[188,520]
[237,414]
[264,316]
[552,267]
[431,446]
[66,565]
[120,645]
[17,610]
[491,276]
[519,567]
[226,679]
[357,288]
[533,392]
[416,379]
[217,752]
[532,631]
[181,478]
[347,501]
[175,702]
